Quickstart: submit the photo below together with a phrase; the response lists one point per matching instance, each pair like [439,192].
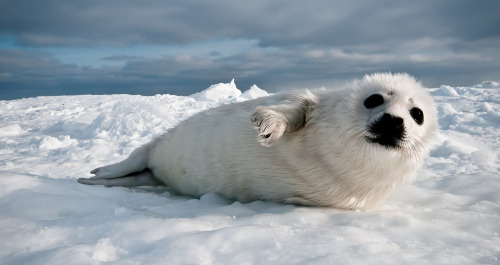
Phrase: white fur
[312,151]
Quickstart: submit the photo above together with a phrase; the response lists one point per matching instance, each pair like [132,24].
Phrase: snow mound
[446,91]
[446,109]
[50,142]
[132,118]
[253,93]
[488,84]
[219,93]
[11,130]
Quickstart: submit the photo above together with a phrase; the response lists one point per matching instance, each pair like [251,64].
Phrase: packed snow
[450,215]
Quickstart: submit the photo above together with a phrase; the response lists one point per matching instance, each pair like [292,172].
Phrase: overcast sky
[180,47]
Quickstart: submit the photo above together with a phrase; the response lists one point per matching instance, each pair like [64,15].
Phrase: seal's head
[369,138]
[397,113]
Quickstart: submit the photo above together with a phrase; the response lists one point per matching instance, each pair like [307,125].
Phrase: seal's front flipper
[274,121]
[144,178]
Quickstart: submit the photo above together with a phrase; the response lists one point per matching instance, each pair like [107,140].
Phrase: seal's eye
[417,115]
[373,101]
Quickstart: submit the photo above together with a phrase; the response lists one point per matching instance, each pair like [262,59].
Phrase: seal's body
[342,148]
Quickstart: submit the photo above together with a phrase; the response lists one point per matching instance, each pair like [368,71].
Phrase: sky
[50,47]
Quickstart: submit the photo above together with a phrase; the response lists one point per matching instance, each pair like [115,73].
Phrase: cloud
[180,47]
[272,69]
[274,23]
[121,58]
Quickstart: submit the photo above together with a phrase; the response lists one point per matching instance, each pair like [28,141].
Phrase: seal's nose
[388,130]
[389,121]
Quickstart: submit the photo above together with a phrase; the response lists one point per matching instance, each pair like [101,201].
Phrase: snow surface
[450,215]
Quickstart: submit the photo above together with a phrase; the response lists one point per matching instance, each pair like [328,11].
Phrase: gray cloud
[275,23]
[121,58]
[301,44]
[273,70]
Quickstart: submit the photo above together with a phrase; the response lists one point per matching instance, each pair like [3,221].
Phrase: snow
[445,91]
[450,215]
[219,93]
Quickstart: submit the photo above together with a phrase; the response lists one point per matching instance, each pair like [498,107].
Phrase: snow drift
[450,215]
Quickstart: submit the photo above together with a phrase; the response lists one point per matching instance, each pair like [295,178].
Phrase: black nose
[389,121]
[388,130]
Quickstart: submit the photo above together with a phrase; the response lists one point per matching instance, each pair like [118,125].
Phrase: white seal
[345,148]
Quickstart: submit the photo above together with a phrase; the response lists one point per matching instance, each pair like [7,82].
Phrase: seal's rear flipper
[136,162]
[144,178]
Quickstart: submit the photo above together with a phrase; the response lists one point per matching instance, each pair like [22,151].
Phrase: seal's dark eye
[417,115]
[373,101]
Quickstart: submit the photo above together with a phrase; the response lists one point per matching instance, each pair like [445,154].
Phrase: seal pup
[346,148]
